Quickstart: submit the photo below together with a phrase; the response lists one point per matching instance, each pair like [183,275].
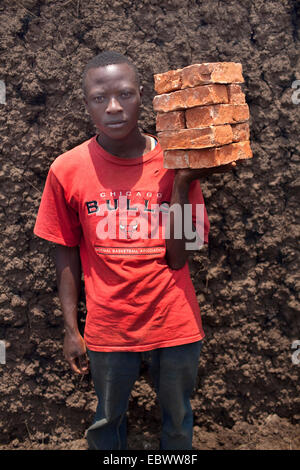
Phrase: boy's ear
[141,90]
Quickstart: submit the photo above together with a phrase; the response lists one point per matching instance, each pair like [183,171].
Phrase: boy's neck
[133,146]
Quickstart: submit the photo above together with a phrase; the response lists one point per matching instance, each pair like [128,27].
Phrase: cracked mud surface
[247,280]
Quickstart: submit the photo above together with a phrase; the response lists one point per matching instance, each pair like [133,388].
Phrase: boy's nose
[113,106]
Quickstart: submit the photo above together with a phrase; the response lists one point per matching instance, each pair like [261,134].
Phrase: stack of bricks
[202,117]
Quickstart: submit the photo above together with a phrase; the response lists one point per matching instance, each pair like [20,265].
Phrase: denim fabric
[173,371]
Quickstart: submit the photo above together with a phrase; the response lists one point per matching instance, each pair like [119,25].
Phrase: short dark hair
[108,58]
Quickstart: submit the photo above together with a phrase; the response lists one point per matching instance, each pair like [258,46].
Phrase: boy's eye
[99,99]
[126,94]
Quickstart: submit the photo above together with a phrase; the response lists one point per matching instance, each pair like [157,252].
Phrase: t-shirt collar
[124,161]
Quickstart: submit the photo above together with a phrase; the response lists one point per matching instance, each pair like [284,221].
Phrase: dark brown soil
[247,280]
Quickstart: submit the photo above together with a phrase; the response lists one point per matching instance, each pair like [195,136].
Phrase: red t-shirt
[113,208]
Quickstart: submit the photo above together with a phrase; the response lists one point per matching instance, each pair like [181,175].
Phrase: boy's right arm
[68,273]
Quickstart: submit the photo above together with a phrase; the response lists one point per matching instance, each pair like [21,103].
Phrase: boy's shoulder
[72,159]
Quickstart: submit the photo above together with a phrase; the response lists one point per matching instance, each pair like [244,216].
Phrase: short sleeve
[199,214]
[56,220]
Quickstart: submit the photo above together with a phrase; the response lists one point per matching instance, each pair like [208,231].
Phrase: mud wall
[247,280]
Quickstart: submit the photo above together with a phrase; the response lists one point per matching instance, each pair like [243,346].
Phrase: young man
[98,205]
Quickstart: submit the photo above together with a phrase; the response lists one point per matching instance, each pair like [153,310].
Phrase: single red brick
[190,97]
[240,112]
[223,155]
[237,151]
[170,121]
[168,102]
[195,138]
[240,132]
[168,81]
[175,159]
[203,116]
[202,158]
[243,149]
[214,72]
[203,95]
[235,94]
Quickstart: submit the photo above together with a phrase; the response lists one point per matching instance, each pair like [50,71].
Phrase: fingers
[83,364]
[75,353]
[225,168]
[212,170]
[190,174]
[73,365]
[79,364]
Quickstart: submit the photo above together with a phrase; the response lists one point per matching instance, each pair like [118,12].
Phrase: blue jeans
[173,371]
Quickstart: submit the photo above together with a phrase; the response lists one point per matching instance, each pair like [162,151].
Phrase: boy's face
[113,98]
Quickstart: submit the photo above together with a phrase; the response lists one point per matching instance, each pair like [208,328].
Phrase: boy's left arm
[176,252]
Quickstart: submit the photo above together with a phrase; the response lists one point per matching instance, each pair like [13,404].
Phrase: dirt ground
[246,280]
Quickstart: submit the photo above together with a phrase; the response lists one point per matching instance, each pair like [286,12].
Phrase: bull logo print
[128,229]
